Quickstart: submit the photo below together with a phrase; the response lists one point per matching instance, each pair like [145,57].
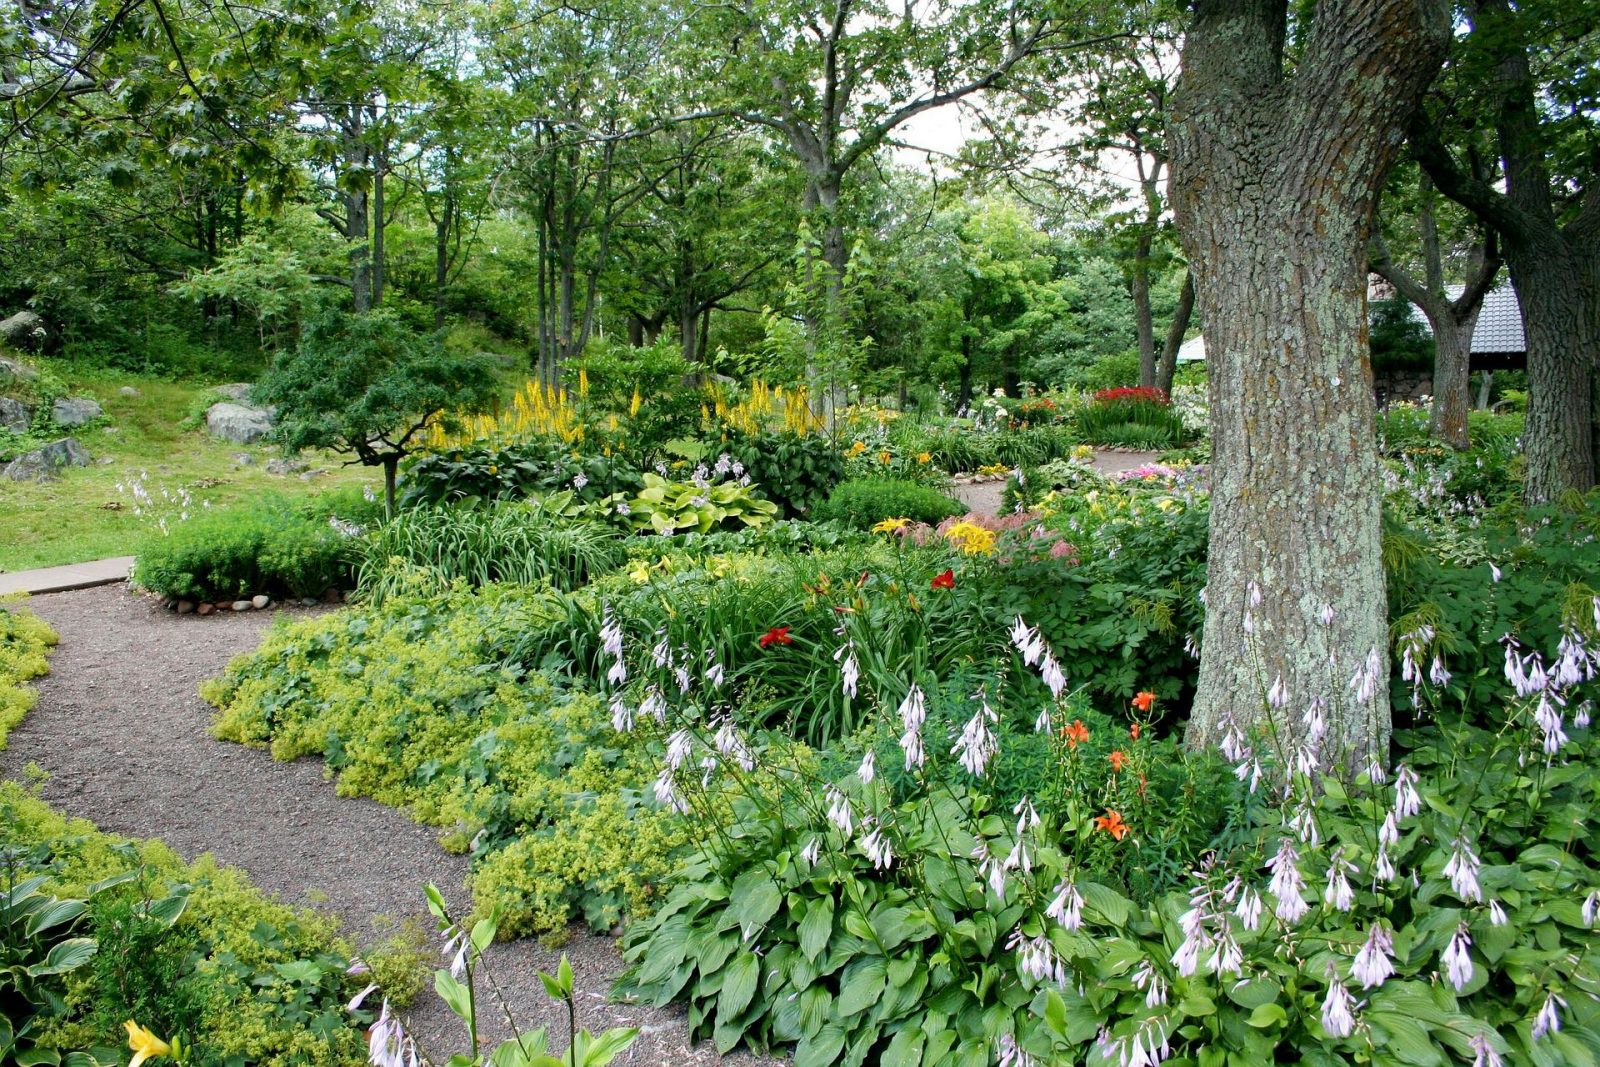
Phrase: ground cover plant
[25,642]
[420,704]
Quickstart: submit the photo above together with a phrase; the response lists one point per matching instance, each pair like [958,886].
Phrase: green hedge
[865,501]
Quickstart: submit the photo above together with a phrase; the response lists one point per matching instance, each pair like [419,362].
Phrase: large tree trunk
[1561,322]
[1274,183]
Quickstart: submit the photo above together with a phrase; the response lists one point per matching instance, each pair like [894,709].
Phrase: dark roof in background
[1499,330]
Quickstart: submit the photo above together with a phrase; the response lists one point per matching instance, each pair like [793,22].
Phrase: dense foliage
[25,641]
[864,502]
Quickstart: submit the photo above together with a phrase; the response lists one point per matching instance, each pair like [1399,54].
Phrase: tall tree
[1548,216]
[1277,163]
[1452,318]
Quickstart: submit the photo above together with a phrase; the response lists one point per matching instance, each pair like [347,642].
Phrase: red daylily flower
[947,580]
[1118,761]
[1144,700]
[1076,734]
[778,635]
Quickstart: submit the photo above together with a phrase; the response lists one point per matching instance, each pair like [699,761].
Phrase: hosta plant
[667,507]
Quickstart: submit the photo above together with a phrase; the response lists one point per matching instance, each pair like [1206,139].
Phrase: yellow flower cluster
[972,539]
[536,411]
[891,525]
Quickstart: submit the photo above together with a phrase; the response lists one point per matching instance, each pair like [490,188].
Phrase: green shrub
[1108,372]
[867,501]
[419,704]
[486,472]
[25,640]
[1131,418]
[794,471]
[188,950]
[511,541]
[269,546]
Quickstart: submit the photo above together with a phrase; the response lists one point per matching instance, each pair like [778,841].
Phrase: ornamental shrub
[1131,417]
[864,502]
[794,471]
[486,471]
[271,545]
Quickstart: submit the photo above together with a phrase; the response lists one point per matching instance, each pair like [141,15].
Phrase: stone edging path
[125,739]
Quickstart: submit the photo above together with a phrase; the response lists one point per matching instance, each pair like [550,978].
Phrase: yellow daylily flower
[885,456]
[924,457]
[971,538]
[857,448]
[144,1044]
[640,572]
[891,525]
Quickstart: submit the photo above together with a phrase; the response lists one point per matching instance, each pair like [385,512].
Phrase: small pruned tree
[370,386]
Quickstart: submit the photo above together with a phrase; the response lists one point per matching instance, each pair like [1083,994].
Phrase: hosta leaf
[816,927]
[862,986]
[739,982]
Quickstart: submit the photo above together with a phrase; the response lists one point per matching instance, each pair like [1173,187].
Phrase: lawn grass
[83,516]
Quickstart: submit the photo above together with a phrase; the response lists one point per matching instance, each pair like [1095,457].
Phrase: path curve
[984,497]
[125,738]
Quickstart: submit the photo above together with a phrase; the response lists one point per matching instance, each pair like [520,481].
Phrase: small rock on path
[983,498]
[126,741]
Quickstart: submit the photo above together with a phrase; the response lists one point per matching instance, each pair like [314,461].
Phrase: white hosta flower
[1457,959]
[1497,914]
[1153,985]
[868,769]
[1407,801]
[1364,683]
[1287,884]
[1462,870]
[990,868]
[1036,958]
[1372,966]
[1007,1054]
[457,945]
[913,713]
[1278,694]
[1389,831]
[839,812]
[731,743]
[666,791]
[661,654]
[1338,894]
[1437,674]
[1547,715]
[1383,866]
[1067,907]
[1338,1008]
[1494,572]
[1591,907]
[610,634]
[715,675]
[1483,1051]
[678,746]
[876,848]
[618,672]
[812,851]
[1316,719]
[977,744]
[387,1041]
[654,704]
[1050,672]
[621,714]
[1027,817]
[1249,908]
[850,669]
[1548,1021]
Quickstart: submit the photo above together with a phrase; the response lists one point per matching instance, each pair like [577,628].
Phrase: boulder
[24,330]
[238,423]
[42,463]
[15,415]
[72,411]
[13,371]
[129,391]
[285,467]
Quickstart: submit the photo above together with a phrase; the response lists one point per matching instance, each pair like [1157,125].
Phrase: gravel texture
[125,740]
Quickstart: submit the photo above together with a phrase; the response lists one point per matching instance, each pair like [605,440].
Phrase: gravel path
[125,740]
[983,497]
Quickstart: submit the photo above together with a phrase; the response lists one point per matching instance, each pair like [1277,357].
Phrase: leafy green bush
[268,546]
[486,471]
[25,639]
[867,501]
[419,704]
[665,507]
[187,950]
[1108,372]
[510,541]
[794,471]
[39,946]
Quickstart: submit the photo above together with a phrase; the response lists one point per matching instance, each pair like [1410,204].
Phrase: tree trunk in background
[1556,291]
[1139,288]
[1167,368]
[1452,371]
[1274,183]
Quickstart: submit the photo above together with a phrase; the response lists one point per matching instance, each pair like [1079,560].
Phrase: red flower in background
[778,635]
[1144,701]
[1139,395]
[947,580]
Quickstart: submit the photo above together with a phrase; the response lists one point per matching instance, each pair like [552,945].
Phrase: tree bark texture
[1275,179]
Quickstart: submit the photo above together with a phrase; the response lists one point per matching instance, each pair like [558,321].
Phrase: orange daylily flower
[1144,700]
[1133,731]
[1111,822]
[1076,734]
[1118,761]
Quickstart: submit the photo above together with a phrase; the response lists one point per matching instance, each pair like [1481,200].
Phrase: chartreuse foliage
[25,639]
[418,704]
[188,950]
